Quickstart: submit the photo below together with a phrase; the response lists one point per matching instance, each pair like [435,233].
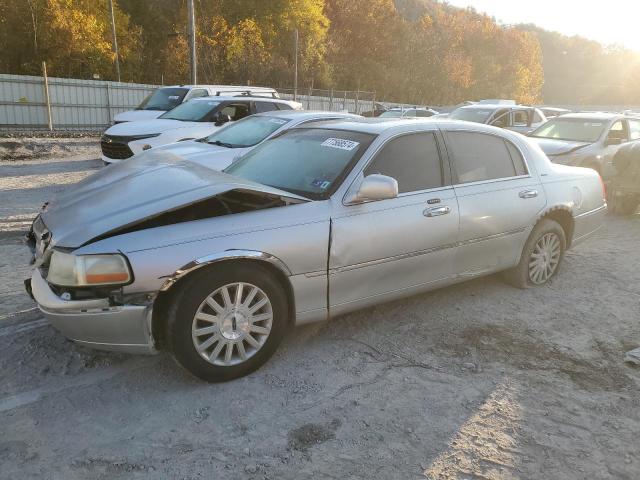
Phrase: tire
[192,341]
[524,274]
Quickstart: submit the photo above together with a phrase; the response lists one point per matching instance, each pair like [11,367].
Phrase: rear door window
[634,129]
[479,157]
[413,160]
[520,118]
[265,107]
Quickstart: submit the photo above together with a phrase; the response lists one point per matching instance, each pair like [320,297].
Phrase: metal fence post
[331,100]
[309,98]
[344,102]
[108,104]
[357,95]
[46,95]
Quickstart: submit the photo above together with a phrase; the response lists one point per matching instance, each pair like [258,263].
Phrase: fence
[75,104]
[92,104]
[332,100]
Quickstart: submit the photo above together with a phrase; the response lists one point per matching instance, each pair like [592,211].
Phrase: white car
[220,149]
[196,118]
[414,112]
[166,98]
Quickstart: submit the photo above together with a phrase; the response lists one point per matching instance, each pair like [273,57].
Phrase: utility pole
[115,39]
[192,41]
[295,71]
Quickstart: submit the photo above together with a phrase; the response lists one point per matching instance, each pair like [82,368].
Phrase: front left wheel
[226,321]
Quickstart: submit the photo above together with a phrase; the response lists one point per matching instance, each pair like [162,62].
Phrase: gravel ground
[475,381]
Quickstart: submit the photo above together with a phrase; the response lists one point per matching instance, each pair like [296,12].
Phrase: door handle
[437,211]
[528,194]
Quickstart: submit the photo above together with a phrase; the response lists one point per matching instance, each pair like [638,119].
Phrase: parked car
[216,267]
[378,110]
[551,112]
[624,190]
[518,118]
[193,119]
[165,98]
[218,150]
[414,112]
[587,139]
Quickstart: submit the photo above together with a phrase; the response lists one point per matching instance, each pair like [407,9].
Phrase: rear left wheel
[541,256]
[227,321]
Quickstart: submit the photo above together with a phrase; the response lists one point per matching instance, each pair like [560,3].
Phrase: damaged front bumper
[95,323]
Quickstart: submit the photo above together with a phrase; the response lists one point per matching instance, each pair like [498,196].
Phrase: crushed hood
[559,147]
[126,193]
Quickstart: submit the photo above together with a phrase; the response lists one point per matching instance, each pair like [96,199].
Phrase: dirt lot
[475,381]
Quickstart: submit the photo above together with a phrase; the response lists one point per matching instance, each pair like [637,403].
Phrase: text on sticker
[340,143]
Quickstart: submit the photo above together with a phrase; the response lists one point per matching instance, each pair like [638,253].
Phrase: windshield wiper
[221,144]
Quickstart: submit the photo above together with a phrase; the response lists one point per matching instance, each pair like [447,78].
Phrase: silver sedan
[215,267]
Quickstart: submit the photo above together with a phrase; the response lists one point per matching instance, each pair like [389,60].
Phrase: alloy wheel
[232,324]
[545,258]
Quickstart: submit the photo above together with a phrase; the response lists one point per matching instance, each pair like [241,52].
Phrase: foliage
[419,51]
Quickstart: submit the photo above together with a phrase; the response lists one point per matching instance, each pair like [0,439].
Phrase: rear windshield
[246,132]
[477,115]
[309,162]
[192,111]
[572,129]
[163,99]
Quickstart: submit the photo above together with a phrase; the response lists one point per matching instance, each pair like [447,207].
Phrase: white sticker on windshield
[278,121]
[340,143]
[592,124]
[174,97]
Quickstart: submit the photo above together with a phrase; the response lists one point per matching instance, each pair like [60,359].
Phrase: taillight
[604,188]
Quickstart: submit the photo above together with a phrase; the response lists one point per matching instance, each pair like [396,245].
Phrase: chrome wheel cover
[232,324]
[545,258]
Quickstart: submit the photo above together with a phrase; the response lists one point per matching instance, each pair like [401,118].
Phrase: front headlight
[67,270]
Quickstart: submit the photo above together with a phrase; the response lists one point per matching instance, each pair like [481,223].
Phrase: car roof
[235,98]
[220,87]
[376,126]
[302,114]
[409,108]
[494,106]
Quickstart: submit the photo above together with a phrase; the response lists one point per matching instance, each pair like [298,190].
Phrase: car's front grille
[116,147]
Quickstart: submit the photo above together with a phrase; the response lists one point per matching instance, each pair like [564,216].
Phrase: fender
[222,256]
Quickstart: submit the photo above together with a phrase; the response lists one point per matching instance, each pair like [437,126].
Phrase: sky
[608,22]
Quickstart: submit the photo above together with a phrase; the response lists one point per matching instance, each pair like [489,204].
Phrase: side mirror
[221,118]
[613,140]
[375,187]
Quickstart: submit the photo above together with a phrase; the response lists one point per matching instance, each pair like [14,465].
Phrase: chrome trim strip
[404,256]
[491,237]
[595,210]
[319,273]
[226,255]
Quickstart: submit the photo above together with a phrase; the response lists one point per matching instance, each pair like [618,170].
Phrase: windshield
[163,99]
[572,129]
[191,111]
[308,162]
[477,115]
[247,132]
